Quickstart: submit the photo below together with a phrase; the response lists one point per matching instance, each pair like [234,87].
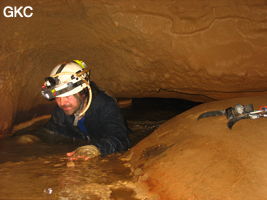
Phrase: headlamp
[48,94]
[50,91]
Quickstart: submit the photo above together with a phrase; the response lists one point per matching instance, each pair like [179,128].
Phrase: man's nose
[61,101]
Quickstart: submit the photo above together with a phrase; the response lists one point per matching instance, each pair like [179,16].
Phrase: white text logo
[15,11]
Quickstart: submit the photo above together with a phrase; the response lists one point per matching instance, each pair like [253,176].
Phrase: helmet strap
[77,116]
[86,102]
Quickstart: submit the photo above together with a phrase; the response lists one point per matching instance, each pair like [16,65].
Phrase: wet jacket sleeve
[114,132]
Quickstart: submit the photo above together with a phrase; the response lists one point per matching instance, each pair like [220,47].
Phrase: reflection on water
[39,171]
[42,174]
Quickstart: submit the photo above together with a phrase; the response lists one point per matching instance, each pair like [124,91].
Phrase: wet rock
[27,139]
[204,159]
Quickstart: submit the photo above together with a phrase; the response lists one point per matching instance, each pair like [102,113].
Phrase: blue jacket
[102,125]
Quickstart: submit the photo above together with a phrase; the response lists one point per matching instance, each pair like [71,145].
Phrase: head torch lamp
[50,91]
[48,88]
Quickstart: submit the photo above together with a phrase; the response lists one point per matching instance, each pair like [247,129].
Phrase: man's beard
[68,109]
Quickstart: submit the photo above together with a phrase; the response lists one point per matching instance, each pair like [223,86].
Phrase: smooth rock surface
[186,158]
[197,50]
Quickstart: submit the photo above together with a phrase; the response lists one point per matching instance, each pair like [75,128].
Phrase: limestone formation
[197,50]
[186,158]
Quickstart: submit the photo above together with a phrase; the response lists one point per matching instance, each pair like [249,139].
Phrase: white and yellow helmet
[66,79]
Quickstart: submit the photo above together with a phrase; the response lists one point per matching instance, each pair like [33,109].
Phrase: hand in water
[84,152]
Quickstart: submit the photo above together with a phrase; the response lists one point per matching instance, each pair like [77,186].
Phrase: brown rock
[124,103]
[27,139]
[196,50]
[186,158]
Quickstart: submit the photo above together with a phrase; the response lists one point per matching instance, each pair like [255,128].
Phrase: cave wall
[190,159]
[197,50]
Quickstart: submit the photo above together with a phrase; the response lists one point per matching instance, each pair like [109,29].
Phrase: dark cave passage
[156,108]
[146,114]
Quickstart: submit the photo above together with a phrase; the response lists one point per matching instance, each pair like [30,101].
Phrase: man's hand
[84,152]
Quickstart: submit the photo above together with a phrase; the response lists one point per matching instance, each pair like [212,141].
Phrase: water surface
[38,171]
